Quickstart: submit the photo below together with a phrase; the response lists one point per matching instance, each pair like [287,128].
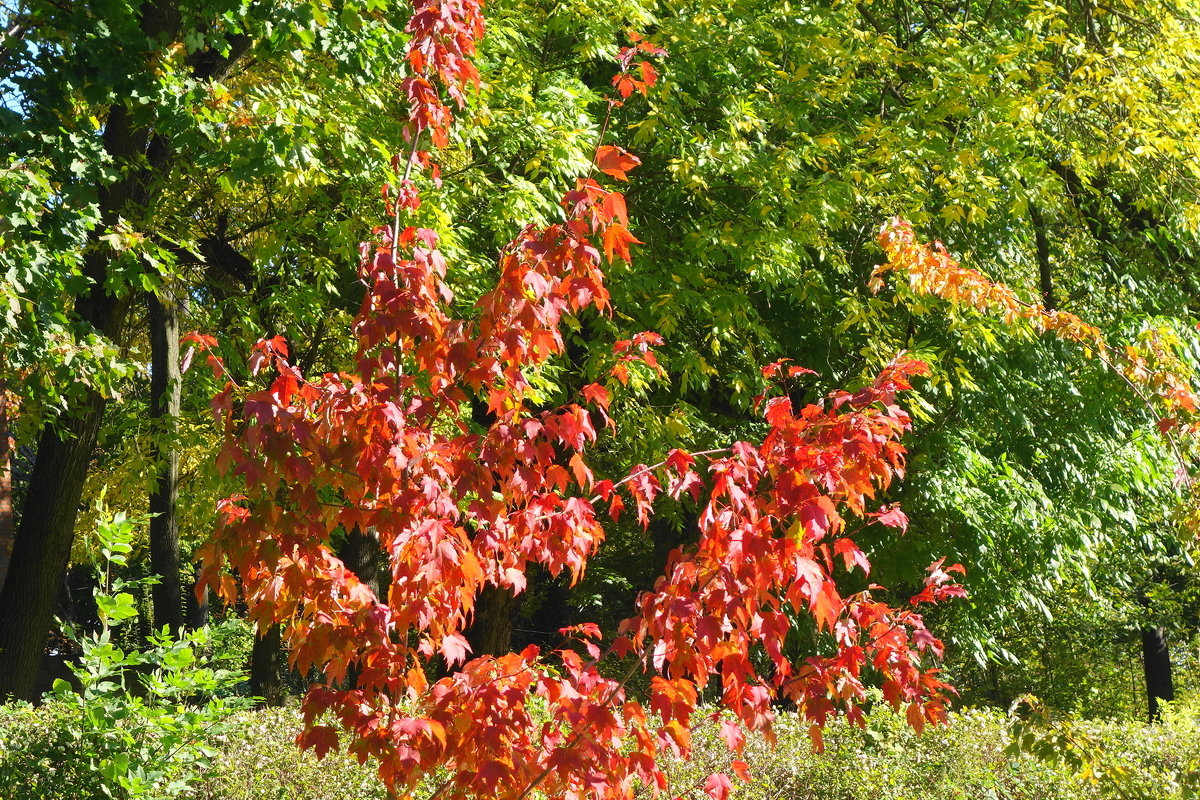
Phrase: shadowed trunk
[491,632]
[43,540]
[7,532]
[197,605]
[43,545]
[1156,663]
[265,679]
[1042,246]
[164,416]
[361,553]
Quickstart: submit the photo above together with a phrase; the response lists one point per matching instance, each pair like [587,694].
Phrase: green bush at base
[256,759]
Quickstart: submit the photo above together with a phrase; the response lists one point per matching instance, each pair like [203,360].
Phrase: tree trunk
[43,541]
[164,416]
[43,545]
[7,532]
[361,553]
[197,605]
[491,631]
[265,680]
[1042,246]
[1156,663]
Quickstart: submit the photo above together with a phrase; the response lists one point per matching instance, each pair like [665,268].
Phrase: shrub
[260,761]
[141,723]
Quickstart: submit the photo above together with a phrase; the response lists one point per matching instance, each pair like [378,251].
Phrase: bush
[969,759]
[966,760]
[110,742]
[260,761]
[141,723]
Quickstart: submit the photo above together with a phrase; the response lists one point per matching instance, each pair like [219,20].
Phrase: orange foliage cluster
[1153,370]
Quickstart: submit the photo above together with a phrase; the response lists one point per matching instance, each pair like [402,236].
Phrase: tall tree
[165,397]
[99,216]
[142,152]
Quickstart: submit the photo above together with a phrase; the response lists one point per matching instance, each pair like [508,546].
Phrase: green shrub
[142,722]
[108,742]
[969,759]
[966,760]
[260,761]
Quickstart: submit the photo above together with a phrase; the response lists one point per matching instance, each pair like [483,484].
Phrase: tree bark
[1042,245]
[361,553]
[492,629]
[1156,663]
[43,546]
[7,531]
[164,415]
[197,604]
[265,680]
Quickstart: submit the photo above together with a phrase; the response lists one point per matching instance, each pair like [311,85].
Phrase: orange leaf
[617,239]
[615,161]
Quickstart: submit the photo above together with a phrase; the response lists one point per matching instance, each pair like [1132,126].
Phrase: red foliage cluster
[458,507]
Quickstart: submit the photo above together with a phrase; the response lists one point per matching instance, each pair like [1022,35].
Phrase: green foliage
[969,759]
[1160,764]
[259,761]
[135,724]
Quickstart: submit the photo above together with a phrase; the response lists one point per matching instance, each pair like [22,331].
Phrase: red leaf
[455,648]
[583,475]
[615,161]
[818,741]
[321,738]
[893,517]
[718,786]
[915,717]
[596,394]
[649,76]
[852,556]
[731,732]
[625,84]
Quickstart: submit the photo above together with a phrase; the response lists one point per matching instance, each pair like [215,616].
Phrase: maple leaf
[649,75]
[893,517]
[596,394]
[733,736]
[617,239]
[625,83]
[455,648]
[615,161]
[321,738]
[718,786]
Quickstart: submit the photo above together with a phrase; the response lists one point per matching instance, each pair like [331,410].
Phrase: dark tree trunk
[197,605]
[7,532]
[492,630]
[361,553]
[43,545]
[1042,245]
[164,416]
[265,679]
[43,540]
[1156,663]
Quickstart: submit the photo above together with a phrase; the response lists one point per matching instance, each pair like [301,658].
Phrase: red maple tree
[388,448]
